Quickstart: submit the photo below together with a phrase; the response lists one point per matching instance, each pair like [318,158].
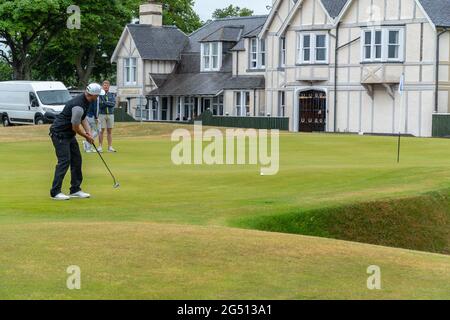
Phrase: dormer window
[211,57]
[257,53]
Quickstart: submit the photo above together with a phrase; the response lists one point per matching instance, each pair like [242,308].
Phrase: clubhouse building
[359,66]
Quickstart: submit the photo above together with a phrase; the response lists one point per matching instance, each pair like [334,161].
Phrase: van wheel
[5,121]
[39,121]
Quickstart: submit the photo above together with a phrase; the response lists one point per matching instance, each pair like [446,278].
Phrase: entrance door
[313,111]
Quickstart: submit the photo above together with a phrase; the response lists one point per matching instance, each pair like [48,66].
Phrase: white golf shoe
[100,149]
[61,197]
[111,149]
[80,195]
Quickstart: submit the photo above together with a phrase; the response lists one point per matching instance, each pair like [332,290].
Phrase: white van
[31,102]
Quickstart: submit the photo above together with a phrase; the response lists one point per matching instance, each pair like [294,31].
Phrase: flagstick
[400,90]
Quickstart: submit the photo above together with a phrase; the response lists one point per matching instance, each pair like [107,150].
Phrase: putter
[116,183]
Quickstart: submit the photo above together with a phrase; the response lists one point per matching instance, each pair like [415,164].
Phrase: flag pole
[401,89]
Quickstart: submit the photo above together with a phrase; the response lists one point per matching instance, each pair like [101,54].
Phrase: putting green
[168,231]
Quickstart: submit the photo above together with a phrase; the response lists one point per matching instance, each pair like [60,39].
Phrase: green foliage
[232,11]
[26,28]
[181,14]
[43,48]
[5,71]
[78,56]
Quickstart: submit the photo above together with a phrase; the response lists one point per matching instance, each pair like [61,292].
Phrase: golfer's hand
[89,138]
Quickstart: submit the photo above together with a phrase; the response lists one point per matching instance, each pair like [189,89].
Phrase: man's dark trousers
[68,153]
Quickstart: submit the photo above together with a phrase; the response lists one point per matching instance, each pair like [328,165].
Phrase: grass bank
[417,222]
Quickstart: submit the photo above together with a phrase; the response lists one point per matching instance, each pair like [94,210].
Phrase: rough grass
[167,232]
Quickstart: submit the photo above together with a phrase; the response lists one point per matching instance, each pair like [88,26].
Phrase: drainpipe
[436,89]
[254,102]
[336,76]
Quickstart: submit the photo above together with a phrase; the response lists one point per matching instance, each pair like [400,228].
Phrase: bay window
[257,53]
[382,44]
[130,70]
[211,57]
[312,48]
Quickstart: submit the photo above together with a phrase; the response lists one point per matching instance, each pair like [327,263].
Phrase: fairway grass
[169,233]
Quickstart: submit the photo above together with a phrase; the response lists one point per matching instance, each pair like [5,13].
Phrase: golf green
[179,231]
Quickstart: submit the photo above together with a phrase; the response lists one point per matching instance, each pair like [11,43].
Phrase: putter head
[116,185]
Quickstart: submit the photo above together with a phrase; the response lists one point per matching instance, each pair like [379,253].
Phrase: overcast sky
[205,8]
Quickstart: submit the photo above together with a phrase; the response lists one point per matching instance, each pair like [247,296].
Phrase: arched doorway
[312,111]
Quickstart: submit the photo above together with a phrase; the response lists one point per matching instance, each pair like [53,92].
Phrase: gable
[125,47]
[330,9]
[436,11]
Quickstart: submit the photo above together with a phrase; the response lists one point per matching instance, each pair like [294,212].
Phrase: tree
[26,29]
[181,14]
[5,71]
[79,56]
[42,47]
[232,11]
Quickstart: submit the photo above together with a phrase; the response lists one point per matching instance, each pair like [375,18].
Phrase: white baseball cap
[94,89]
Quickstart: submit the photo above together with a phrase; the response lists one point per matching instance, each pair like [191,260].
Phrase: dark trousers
[68,153]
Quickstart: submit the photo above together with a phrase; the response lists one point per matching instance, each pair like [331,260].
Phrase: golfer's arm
[78,128]
[86,126]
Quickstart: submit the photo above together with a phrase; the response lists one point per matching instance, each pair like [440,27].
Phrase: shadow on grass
[418,223]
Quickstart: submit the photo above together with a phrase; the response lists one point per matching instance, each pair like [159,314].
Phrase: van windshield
[54,97]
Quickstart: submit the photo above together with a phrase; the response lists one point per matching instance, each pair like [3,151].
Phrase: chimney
[151,13]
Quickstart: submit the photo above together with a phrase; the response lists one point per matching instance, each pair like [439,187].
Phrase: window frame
[130,71]
[242,105]
[312,47]
[283,52]
[208,55]
[385,45]
[282,104]
[217,105]
[257,54]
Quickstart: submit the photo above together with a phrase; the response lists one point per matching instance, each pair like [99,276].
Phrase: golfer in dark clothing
[70,122]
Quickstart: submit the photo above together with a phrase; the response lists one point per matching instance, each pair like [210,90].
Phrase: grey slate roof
[253,33]
[187,80]
[159,79]
[438,11]
[190,84]
[248,23]
[158,43]
[207,84]
[230,33]
[240,46]
[246,82]
[334,7]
